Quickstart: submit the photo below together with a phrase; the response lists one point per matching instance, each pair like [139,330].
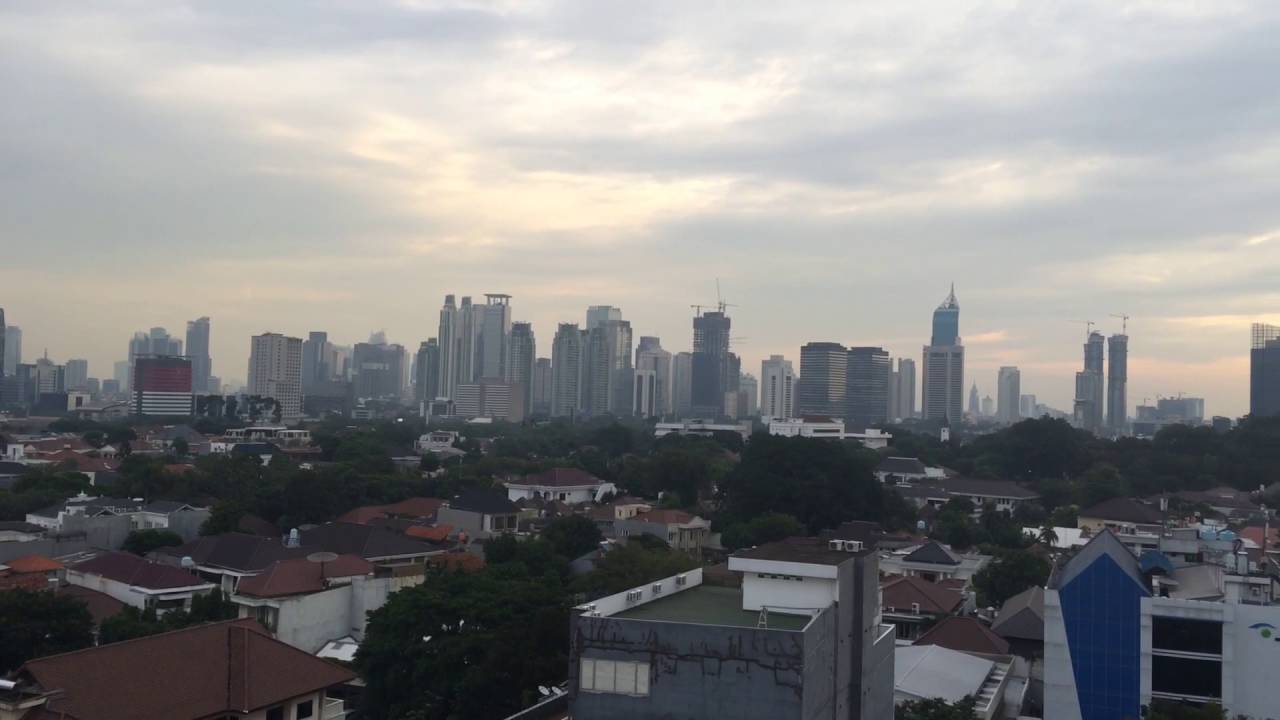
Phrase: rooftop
[965,634]
[901,466]
[130,569]
[561,477]
[299,576]
[709,605]
[1122,509]
[800,550]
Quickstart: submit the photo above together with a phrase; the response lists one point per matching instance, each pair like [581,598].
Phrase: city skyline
[579,156]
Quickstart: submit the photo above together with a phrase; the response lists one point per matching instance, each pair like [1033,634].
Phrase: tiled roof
[933,552]
[486,502]
[451,561]
[130,569]
[221,668]
[236,551]
[561,477]
[800,550]
[965,634]
[34,564]
[436,534]
[664,517]
[166,506]
[254,525]
[989,488]
[101,605]
[902,592]
[416,507]
[1122,509]
[366,541]
[26,527]
[901,466]
[298,576]
[1022,616]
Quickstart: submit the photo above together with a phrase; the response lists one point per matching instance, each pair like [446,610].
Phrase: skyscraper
[823,385]
[749,390]
[942,374]
[522,352]
[162,386]
[1009,394]
[566,371]
[1088,408]
[601,314]
[379,369]
[198,351]
[120,372]
[315,360]
[1027,406]
[682,384]
[777,387]
[650,357]
[711,372]
[975,406]
[275,371]
[495,337]
[607,371]
[448,339]
[904,379]
[470,325]
[1117,379]
[12,348]
[1264,371]
[866,388]
[77,374]
[988,406]
[427,372]
[543,382]
[4,357]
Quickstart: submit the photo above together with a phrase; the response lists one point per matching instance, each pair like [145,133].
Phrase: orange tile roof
[439,533]
[33,564]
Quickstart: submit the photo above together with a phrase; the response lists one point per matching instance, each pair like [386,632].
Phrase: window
[276,713]
[1186,677]
[1187,636]
[619,678]
[304,710]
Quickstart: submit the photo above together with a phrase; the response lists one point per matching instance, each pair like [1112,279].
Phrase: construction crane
[720,303]
[1124,323]
[1088,326]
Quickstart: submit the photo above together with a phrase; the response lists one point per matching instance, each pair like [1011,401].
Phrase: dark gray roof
[367,541]
[901,466]
[800,550]
[168,506]
[12,468]
[1123,509]
[236,551]
[934,553]
[991,488]
[1022,616]
[487,502]
[19,526]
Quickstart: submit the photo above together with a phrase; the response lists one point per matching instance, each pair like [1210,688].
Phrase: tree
[223,518]
[936,709]
[181,447]
[128,624]
[39,623]
[766,528]
[141,542]
[640,561]
[1171,710]
[573,535]
[1047,536]
[1008,574]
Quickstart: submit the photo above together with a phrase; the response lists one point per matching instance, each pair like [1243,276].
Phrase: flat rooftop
[710,605]
[801,550]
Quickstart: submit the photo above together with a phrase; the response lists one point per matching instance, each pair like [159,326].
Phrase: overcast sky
[340,166]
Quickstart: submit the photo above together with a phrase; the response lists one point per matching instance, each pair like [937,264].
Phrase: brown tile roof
[82,462]
[34,564]
[561,477]
[464,561]
[965,634]
[664,517]
[129,568]
[415,507]
[299,576]
[215,669]
[101,605]
[901,592]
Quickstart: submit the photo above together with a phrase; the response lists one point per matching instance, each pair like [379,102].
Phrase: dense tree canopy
[1009,573]
[141,542]
[38,623]
[936,709]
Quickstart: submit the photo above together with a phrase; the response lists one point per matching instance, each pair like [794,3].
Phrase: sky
[310,165]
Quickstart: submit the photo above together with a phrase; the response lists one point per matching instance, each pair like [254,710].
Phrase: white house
[138,582]
[828,428]
[566,485]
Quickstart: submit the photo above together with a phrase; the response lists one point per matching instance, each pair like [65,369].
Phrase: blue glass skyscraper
[946,321]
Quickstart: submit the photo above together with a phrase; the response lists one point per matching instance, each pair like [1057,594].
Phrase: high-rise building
[988,406]
[162,386]
[866,388]
[645,389]
[566,370]
[904,380]
[448,339]
[942,374]
[1264,371]
[490,398]
[427,372]
[1088,406]
[4,357]
[120,373]
[824,377]
[749,391]
[316,368]
[651,357]
[682,385]
[495,336]
[601,314]
[543,384]
[77,374]
[12,348]
[975,404]
[1027,406]
[777,388]
[522,352]
[275,371]
[198,351]
[711,372]
[1117,379]
[607,371]
[1009,394]
[379,369]
[470,324]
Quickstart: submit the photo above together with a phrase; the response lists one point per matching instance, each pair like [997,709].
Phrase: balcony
[333,709]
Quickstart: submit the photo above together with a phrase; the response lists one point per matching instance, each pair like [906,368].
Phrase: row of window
[612,676]
[780,577]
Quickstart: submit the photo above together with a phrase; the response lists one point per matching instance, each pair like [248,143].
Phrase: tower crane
[1124,322]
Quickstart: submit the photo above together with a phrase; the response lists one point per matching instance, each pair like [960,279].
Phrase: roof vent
[634,596]
[657,588]
[682,580]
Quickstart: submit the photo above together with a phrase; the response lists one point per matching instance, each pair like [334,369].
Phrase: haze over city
[300,166]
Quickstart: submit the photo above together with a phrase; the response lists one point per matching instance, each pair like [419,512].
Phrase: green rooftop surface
[709,605]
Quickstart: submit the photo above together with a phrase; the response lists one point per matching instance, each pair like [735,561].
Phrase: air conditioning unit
[635,595]
[589,607]
[853,546]
[836,545]
[657,588]
[681,580]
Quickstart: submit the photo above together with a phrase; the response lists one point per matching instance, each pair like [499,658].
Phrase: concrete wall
[107,532]
[772,592]
[460,519]
[307,622]
[187,524]
[49,547]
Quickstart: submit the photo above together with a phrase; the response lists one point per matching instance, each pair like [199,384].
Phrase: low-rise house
[701,428]
[481,513]
[32,572]
[101,606]
[1021,623]
[20,531]
[1001,494]
[54,517]
[934,562]
[900,470]
[177,517]
[418,509]
[142,583]
[829,429]
[376,544]
[677,528]
[965,634]
[163,438]
[1229,502]
[914,604]
[1121,515]
[219,670]
[929,672]
[566,485]
[226,558]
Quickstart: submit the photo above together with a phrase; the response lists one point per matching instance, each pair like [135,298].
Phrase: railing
[334,709]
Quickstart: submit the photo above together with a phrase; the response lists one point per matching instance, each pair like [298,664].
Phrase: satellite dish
[322,557]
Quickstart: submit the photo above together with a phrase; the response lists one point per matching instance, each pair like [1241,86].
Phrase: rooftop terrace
[710,605]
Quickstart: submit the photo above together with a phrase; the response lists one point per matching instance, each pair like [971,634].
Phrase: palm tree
[1048,536]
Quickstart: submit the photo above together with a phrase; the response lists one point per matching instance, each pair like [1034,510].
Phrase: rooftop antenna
[1124,322]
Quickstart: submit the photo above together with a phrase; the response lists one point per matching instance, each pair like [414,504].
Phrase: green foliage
[39,623]
[1009,573]
[759,530]
[181,447]
[1170,710]
[128,624]
[573,535]
[141,542]
[132,623]
[685,467]
[638,562]
[37,488]
[936,709]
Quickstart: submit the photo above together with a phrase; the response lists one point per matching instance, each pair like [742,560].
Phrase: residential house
[965,634]
[934,562]
[677,528]
[1021,623]
[54,517]
[162,439]
[417,509]
[566,485]
[142,583]
[100,605]
[935,672]
[1000,494]
[20,531]
[481,513]
[1121,515]
[178,517]
[378,545]
[32,572]
[219,670]
[914,604]
[902,470]
[225,559]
